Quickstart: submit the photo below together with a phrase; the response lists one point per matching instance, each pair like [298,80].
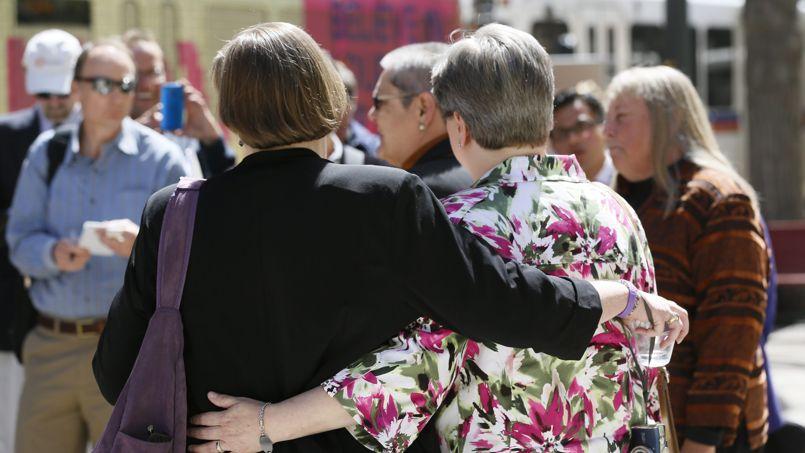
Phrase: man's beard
[57,114]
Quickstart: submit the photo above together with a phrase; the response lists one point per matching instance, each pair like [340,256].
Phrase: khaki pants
[61,408]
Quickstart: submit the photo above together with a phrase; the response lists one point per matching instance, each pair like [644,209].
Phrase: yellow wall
[7,14]
[207,23]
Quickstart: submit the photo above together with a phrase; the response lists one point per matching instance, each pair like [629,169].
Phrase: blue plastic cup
[172,98]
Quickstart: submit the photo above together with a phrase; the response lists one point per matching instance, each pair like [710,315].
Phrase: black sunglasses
[377,101]
[104,85]
[47,96]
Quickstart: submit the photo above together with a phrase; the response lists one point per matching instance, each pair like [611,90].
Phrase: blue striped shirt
[115,185]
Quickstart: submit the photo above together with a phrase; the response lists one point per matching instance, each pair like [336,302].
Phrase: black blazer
[17,131]
[273,305]
[441,172]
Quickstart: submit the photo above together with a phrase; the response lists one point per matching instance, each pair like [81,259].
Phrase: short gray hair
[410,67]
[348,77]
[501,82]
[135,36]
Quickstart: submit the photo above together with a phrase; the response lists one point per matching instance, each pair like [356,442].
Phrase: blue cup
[172,98]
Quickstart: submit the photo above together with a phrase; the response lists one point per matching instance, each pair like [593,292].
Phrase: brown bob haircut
[276,87]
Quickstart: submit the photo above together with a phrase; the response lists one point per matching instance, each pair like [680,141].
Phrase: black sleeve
[372,160]
[459,282]
[215,157]
[133,305]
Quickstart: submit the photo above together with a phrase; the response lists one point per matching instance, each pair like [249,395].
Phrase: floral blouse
[487,397]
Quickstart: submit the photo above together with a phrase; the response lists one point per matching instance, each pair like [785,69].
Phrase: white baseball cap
[49,61]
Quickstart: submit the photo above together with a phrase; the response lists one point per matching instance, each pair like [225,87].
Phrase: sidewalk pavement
[786,354]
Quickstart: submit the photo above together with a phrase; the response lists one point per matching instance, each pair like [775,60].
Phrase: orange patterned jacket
[711,257]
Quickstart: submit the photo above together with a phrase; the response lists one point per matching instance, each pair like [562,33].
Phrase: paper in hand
[91,240]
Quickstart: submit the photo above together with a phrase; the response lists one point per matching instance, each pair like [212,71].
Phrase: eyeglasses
[377,101]
[48,96]
[560,134]
[104,85]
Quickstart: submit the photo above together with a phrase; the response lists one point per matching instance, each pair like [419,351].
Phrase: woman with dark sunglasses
[408,119]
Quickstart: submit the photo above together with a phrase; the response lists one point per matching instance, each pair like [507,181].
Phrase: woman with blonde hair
[703,227]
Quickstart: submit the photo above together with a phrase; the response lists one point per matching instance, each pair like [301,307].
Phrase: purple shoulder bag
[151,412]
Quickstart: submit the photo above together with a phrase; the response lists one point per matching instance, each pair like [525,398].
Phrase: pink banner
[360,32]
[17,97]
[189,61]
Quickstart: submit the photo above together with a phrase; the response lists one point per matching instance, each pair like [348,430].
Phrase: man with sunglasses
[578,129]
[106,168]
[48,60]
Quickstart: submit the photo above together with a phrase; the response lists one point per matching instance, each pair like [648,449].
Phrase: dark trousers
[741,444]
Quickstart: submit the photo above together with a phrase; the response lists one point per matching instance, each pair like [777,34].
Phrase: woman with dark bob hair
[298,266]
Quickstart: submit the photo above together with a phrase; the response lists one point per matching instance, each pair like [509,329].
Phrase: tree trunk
[773,65]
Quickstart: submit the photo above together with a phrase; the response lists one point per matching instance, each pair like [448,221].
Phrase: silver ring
[218,446]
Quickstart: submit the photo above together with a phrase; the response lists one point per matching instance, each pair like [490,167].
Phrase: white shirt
[190,147]
[607,173]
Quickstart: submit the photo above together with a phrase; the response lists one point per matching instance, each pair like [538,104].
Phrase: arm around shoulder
[464,285]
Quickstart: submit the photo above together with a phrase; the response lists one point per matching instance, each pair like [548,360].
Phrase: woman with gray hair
[495,88]
[703,224]
[411,126]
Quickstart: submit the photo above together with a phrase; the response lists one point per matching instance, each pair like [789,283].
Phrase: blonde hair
[678,119]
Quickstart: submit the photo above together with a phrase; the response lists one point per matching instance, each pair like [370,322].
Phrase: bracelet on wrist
[631,302]
[266,445]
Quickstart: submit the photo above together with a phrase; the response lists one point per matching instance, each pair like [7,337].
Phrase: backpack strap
[175,240]
[57,149]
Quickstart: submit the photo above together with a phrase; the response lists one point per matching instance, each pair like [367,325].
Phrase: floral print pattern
[542,211]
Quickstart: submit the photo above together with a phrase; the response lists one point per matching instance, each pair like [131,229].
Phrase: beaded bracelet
[631,302]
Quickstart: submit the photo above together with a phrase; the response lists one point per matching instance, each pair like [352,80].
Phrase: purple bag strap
[174,242]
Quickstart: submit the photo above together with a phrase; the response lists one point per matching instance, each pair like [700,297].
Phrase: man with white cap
[71,228]
[49,60]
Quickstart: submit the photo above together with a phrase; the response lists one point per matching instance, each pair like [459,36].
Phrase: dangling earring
[459,145]
[421,127]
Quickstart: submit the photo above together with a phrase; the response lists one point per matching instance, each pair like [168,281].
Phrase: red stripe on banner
[729,125]
[360,32]
[18,98]
[189,61]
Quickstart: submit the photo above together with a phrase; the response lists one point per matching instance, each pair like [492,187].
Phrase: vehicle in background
[613,35]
